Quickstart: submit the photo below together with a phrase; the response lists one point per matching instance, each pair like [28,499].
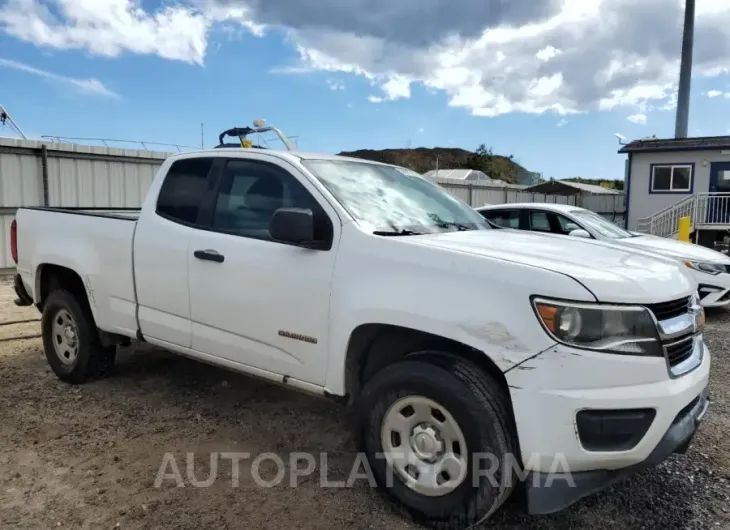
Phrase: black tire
[481,409]
[92,361]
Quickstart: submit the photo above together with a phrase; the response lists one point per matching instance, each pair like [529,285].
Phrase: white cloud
[397,87]
[490,58]
[111,27]
[335,84]
[562,122]
[375,99]
[586,56]
[547,53]
[88,85]
[717,94]
[639,119]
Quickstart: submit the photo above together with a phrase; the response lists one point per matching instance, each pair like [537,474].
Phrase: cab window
[250,193]
[503,218]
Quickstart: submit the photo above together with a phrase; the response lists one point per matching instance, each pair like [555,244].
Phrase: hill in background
[423,159]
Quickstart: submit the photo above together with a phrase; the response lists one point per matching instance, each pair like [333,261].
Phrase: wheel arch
[372,347]
[50,277]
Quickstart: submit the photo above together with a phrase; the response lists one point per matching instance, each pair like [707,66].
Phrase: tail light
[14,240]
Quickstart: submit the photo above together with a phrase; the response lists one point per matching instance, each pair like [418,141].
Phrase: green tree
[483,160]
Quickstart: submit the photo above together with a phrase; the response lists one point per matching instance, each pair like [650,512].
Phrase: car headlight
[627,330]
[705,266]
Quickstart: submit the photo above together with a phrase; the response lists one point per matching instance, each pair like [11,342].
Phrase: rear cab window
[184,189]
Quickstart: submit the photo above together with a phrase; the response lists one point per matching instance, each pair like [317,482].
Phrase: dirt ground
[88,457]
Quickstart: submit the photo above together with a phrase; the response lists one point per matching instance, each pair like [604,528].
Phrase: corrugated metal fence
[610,205]
[57,174]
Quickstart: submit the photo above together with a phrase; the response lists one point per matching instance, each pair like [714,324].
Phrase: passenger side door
[254,300]
[161,251]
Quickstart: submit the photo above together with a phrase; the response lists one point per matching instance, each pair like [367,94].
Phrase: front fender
[480,302]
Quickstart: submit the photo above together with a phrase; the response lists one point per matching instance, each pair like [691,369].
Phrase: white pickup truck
[477,359]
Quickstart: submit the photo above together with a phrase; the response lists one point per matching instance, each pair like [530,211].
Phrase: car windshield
[600,225]
[391,200]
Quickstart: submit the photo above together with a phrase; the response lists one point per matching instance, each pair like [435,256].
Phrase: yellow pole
[683,226]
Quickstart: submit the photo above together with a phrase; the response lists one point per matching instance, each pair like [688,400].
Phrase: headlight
[627,330]
[705,266]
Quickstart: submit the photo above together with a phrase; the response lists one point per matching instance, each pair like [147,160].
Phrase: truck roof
[285,155]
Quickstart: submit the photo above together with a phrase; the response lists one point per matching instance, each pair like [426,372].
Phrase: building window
[674,178]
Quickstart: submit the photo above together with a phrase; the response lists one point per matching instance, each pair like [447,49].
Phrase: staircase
[705,210]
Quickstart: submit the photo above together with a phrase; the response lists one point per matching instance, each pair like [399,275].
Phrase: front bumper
[551,492]
[549,391]
[714,290]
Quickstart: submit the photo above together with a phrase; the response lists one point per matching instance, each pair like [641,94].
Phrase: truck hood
[674,249]
[610,272]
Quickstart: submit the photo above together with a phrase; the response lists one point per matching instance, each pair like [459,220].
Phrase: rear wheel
[439,440]
[71,341]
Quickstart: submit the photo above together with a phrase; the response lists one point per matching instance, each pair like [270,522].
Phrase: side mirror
[293,225]
[580,233]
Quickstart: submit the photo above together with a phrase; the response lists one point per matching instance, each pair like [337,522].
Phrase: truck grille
[667,310]
[679,351]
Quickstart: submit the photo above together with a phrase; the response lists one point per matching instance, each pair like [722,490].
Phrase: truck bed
[96,243]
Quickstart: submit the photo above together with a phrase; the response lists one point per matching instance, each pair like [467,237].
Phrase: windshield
[600,225]
[393,200]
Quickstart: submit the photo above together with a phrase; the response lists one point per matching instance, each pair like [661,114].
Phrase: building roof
[457,174]
[700,143]
[569,188]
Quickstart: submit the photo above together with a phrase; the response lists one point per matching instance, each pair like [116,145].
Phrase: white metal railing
[712,209]
[704,210]
[664,222]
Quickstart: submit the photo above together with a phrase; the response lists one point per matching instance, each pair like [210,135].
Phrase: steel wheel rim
[65,337]
[425,446]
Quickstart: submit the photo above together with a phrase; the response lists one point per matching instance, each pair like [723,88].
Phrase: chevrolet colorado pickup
[477,360]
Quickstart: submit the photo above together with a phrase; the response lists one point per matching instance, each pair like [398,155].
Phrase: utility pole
[685,71]
[202,137]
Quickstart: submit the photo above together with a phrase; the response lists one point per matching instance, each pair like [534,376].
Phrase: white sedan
[711,269]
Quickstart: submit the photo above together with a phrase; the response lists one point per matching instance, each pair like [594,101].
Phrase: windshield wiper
[393,233]
[459,227]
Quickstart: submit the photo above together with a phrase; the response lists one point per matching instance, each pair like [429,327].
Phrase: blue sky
[525,82]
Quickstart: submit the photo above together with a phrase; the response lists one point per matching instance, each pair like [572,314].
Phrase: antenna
[6,117]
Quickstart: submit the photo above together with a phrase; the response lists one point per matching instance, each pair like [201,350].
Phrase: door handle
[209,255]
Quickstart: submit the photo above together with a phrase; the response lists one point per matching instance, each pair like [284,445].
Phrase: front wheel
[71,341]
[439,440]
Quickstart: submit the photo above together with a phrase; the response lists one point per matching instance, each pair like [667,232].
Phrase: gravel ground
[88,457]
